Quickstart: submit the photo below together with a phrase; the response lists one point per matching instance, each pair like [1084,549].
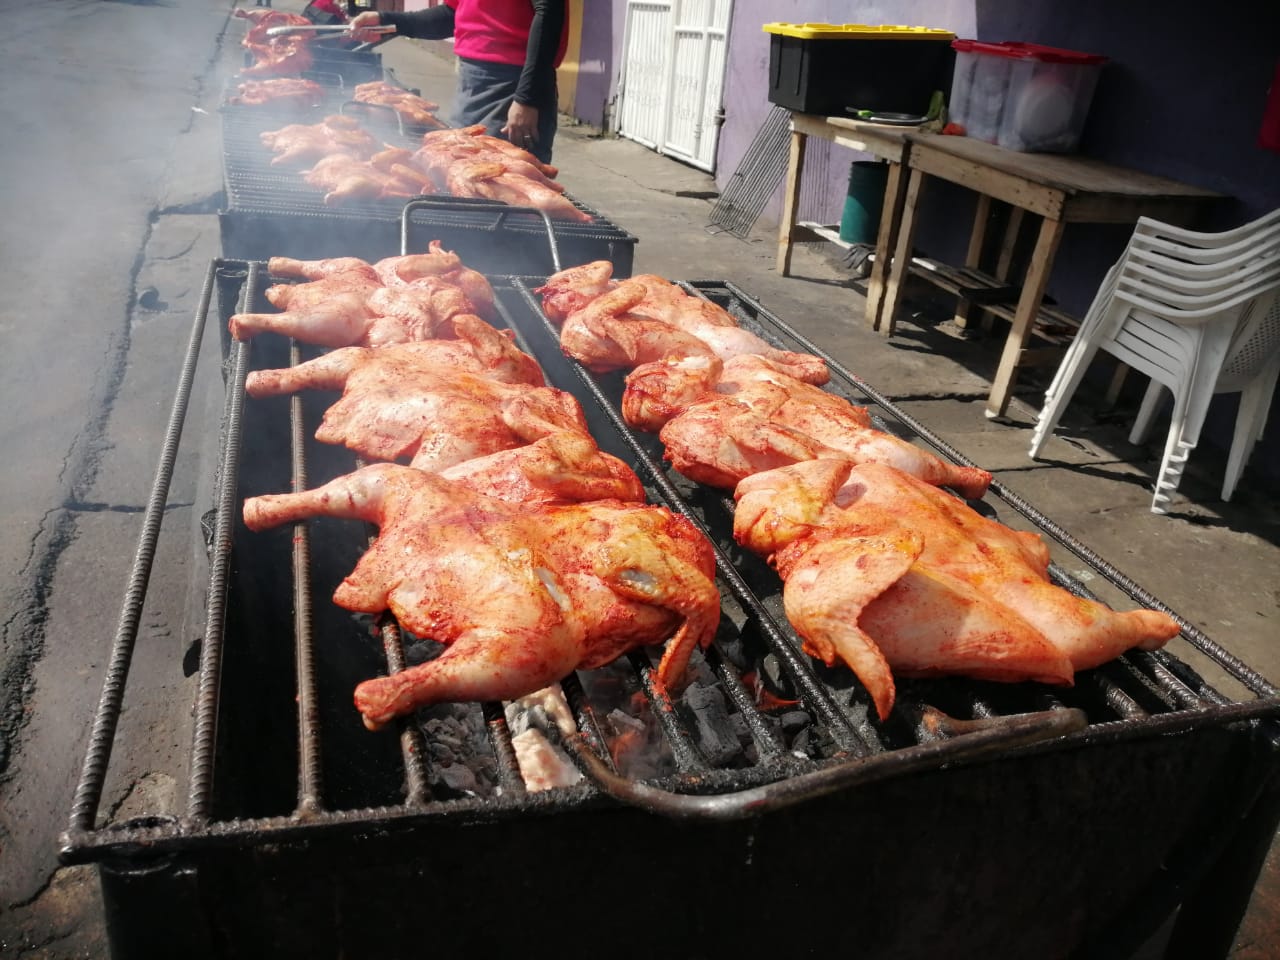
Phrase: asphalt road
[109,178]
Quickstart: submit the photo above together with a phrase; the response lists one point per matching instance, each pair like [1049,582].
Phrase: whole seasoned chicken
[438,416]
[469,163]
[607,334]
[522,595]
[658,390]
[559,468]
[299,144]
[759,418]
[475,137]
[445,265]
[280,91]
[345,178]
[892,575]
[413,108]
[572,289]
[331,312]
[400,271]
[478,348]
[501,180]
[275,55]
[348,305]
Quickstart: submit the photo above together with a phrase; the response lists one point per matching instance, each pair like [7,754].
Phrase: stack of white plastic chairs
[1199,314]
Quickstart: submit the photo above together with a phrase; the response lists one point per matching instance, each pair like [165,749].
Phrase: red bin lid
[1015,50]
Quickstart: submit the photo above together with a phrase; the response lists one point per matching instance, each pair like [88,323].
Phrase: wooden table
[1060,189]
[888,143]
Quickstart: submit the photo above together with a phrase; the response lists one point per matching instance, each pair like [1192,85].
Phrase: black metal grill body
[330,841]
[270,212]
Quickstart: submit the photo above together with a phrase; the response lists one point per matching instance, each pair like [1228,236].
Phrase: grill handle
[959,740]
[472,203]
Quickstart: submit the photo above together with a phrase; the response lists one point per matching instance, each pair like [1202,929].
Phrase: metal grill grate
[1139,696]
[270,212]
[756,177]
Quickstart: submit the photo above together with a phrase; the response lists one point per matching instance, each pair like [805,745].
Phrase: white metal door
[673,76]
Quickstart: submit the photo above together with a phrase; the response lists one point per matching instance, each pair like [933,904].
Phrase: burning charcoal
[542,764]
[442,754]
[793,721]
[637,746]
[713,732]
[460,778]
[776,678]
[800,745]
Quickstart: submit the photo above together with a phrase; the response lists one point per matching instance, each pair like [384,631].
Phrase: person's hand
[360,24]
[522,125]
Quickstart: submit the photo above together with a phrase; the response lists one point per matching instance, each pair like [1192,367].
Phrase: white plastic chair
[1198,314]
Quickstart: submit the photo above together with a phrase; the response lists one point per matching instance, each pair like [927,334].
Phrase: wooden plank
[1004,261]
[895,196]
[1011,188]
[886,142]
[1109,208]
[953,279]
[901,263]
[1068,173]
[973,256]
[790,201]
[1024,315]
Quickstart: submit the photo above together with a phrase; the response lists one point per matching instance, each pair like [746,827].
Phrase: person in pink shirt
[508,51]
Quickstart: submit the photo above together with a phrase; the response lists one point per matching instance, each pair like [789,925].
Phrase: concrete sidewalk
[1214,563]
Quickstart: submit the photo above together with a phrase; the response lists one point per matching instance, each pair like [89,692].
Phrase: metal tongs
[325,28]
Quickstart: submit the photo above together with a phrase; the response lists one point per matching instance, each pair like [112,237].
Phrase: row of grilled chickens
[340,157]
[511,538]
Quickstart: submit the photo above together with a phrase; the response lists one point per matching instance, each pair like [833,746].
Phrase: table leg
[900,266]
[790,202]
[973,258]
[1005,261]
[895,195]
[1025,315]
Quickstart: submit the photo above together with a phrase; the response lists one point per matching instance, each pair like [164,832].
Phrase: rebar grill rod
[310,783]
[413,746]
[1193,634]
[204,738]
[510,779]
[688,757]
[84,806]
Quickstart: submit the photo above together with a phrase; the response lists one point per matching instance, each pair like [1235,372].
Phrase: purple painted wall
[600,61]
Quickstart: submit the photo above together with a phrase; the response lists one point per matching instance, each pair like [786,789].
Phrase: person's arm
[434,23]
[537,80]
[538,77]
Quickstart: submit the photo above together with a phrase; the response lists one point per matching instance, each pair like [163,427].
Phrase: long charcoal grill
[1003,820]
[269,212]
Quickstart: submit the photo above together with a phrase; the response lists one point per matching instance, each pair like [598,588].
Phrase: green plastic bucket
[861,219]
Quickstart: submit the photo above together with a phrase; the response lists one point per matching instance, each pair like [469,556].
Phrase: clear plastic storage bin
[1023,96]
